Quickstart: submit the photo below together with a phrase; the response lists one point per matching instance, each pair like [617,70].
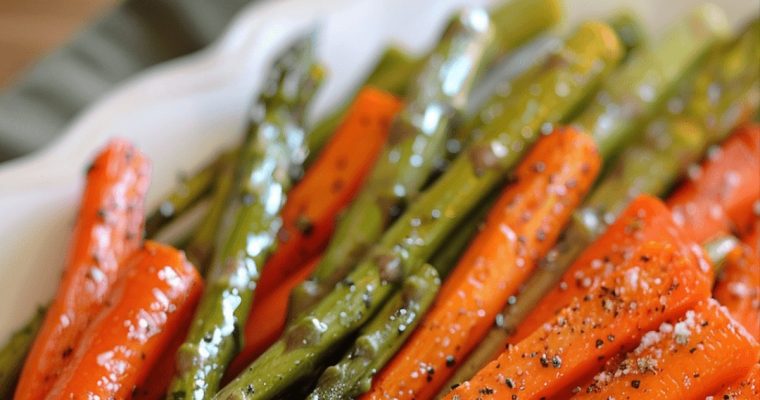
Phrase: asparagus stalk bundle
[418,136]
[437,99]
[584,59]
[650,165]
[272,149]
[380,338]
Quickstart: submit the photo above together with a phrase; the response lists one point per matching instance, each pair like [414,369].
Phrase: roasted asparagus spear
[274,146]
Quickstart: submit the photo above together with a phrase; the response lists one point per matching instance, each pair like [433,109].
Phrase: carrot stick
[645,219]
[267,320]
[752,239]
[746,388]
[722,194]
[156,384]
[739,288]
[309,215]
[655,284]
[157,291]
[519,230]
[109,227]
[689,359]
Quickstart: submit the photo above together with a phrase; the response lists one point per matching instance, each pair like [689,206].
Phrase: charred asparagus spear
[577,66]
[380,338]
[272,149]
[650,165]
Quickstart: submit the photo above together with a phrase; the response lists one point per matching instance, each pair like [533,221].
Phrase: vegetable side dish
[590,230]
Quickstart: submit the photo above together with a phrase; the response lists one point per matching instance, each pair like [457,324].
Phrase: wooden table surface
[31,28]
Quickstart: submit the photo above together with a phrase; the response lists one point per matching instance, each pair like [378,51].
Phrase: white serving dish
[182,112]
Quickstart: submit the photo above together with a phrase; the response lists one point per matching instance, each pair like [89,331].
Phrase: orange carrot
[109,227]
[739,288]
[157,291]
[690,359]
[654,284]
[267,320]
[752,239]
[160,376]
[313,205]
[746,388]
[519,230]
[720,198]
[645,219]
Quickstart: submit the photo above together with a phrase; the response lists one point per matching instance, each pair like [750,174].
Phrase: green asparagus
[635,91]
[380,338]
[185,195]
[273,148]
[353,375]
[13,353]
[651,165]
[577,66]
[630,32]
[437,98]
[201,244]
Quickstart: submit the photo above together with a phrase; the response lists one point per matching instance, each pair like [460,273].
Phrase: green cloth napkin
[133,36]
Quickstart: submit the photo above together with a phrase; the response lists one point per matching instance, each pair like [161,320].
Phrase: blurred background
[29,28]
[58,56]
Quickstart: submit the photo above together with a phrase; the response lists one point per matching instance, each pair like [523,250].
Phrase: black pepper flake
[599,343]
[486,390]
[544,361]
[304,225]
[336,186]
[450,361]
[692,350]
[249,389]
[101,213]
[510,383]
[556,361]
[67,351]
[635,383]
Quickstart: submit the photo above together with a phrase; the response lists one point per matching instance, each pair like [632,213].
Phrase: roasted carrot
[752,239]
[739,288]
[688,359]
[656,283]
[721,194]
[746,388]
[147,305]
[108,228]
[156,384]
[519,230]
[309,215]
[645,219]
[267,319]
